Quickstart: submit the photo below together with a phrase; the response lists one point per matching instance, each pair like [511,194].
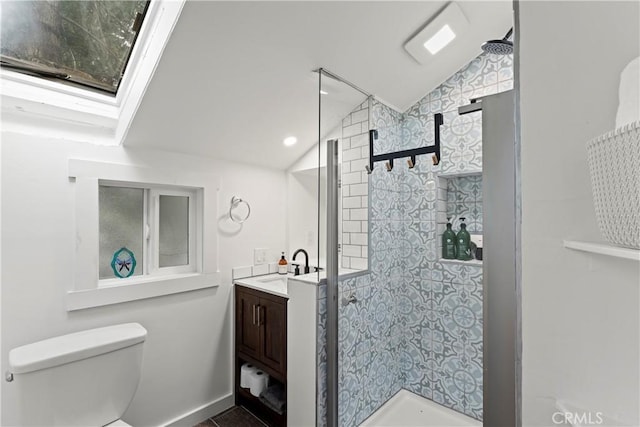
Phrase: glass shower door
[343,221]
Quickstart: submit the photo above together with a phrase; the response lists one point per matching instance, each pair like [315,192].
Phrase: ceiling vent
[439,33]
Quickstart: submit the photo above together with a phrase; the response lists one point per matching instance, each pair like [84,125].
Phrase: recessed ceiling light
[289,141]
[324,93]
[439,40]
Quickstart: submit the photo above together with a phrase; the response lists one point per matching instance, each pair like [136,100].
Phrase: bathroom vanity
[261,339]
[276,321]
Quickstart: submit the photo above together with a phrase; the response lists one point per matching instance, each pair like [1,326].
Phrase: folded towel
[274,398]
[629,94]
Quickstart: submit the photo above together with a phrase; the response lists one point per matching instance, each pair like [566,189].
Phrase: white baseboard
[203,412]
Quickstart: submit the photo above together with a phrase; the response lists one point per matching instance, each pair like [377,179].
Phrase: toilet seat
[118,423]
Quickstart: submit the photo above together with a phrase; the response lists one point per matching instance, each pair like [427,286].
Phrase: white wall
[187,360]
[580,311]
[302,214]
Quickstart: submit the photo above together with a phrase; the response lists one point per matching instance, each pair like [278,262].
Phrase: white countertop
[275,284]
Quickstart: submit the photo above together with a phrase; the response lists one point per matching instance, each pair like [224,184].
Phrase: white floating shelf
[603,249]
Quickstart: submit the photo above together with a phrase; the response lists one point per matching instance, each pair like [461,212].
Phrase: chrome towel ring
[236,204]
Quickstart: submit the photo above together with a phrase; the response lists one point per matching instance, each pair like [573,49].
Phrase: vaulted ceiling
[236,77]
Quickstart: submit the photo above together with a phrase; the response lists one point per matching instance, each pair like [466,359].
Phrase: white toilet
[87,378]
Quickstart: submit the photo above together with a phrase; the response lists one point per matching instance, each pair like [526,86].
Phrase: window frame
[192,254]
[88,289]
[151,223]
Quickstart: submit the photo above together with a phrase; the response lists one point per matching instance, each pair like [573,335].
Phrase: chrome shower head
[499,47]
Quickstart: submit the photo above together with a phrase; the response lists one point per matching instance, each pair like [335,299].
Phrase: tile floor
[237,416]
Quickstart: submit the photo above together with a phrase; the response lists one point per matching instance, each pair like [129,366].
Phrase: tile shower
[417,324]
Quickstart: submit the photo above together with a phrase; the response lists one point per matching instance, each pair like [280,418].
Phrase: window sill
[137,289]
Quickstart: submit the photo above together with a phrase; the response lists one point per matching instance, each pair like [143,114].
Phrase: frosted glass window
[173,231]
[121,225]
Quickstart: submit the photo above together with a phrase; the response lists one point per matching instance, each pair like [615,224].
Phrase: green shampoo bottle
[449,242]
[463,243]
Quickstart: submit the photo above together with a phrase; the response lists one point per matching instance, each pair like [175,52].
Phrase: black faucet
[306,262]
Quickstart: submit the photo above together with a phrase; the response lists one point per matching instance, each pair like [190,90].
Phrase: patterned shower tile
[349,396]
[450,383]
[473,389]
[429,338]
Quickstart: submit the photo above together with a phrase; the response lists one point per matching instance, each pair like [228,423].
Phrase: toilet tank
[87,378]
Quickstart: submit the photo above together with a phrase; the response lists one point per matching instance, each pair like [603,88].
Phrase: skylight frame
[85,83]
[38,106]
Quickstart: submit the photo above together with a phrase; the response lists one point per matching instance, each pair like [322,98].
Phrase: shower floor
[406,409]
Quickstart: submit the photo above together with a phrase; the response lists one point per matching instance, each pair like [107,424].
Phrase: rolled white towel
[629,94]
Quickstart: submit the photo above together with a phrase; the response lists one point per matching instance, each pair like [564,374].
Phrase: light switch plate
[260,256]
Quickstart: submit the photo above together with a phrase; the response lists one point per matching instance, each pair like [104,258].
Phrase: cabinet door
[273,343]
[247,324]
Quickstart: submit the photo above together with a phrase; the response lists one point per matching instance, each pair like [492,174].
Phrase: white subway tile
[359,164]
[346,238]
[360,140]
[360,116]
[365,201]
[351,226]
[358,264]
[346,191]
[365,251]
[346,167]
[346,121]
[359,189]
[351,130]
[358,214]
[273,267]
[346,262]
[352,178]
[351,202]
[352,154]
[358,238]
[346,143]
[345,214]
[258,270]
[242,272]
[351,250]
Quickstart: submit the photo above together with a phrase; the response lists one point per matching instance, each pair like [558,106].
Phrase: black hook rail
[435,149]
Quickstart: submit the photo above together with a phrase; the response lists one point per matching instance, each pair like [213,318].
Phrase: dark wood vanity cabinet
[261,339]
[247,329]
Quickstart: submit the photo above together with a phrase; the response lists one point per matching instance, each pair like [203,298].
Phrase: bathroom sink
[272,280]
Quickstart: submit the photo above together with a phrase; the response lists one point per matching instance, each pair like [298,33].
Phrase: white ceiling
[236,77]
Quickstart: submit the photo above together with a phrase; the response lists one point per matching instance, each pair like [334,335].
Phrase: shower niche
[460,196]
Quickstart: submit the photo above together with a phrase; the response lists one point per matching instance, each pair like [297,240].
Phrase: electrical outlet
[260,256]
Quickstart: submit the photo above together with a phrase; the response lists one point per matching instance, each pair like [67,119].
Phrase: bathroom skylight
[75,86]
[83,42]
